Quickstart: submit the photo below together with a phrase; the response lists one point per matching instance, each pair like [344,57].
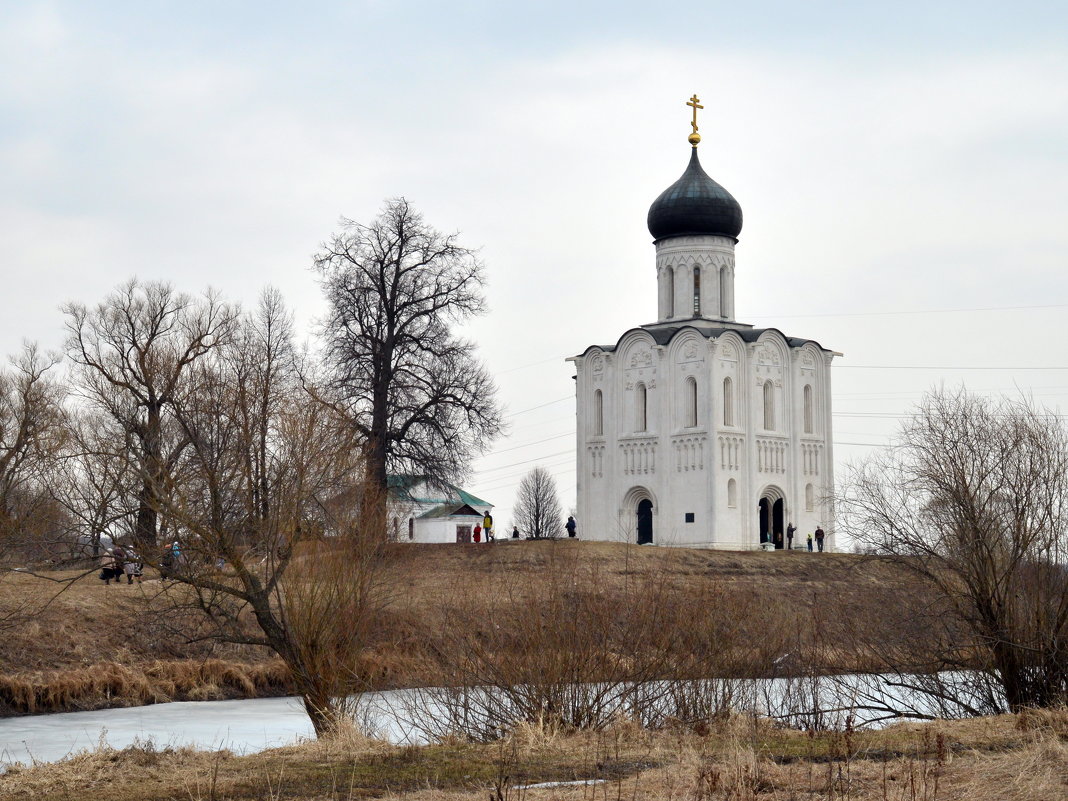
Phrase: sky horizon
[902,173]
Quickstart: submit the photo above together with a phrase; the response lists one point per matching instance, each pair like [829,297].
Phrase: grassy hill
[90,645]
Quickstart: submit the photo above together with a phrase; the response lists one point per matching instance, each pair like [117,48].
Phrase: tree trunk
[322,711]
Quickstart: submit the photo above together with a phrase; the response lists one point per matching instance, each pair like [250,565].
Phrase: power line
[541,406]
[532,364]
[535,442]
[931,367]
[917,311]
[526,461]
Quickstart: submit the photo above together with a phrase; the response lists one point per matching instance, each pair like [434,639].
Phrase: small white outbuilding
[421,510]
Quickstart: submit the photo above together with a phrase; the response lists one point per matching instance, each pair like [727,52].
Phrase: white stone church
[699,430]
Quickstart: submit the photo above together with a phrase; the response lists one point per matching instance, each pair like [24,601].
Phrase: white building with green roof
[421,510]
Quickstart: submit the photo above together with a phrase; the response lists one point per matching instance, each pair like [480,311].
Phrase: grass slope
[90,646]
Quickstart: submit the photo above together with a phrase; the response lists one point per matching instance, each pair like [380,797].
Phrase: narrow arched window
[691,402]
[696,291]
[723,293]
[670,291]
[808,408]
[728,402]
[769,406]
[810,498]
[598,413]
[732,493]
[641,418]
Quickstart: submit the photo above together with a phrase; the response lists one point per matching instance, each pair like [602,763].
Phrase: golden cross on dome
[695,103]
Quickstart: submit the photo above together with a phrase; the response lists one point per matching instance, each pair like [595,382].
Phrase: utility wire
[917,311]
[932,367]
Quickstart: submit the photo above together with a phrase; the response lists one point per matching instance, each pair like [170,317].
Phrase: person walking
[476,535]
[810,542]
[790,529]
[487,525]
[166,562]
[819,538]
[111,568]
[571,525]
[132,566]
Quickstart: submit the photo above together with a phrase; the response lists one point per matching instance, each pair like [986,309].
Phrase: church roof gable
[450,510]
[662,335]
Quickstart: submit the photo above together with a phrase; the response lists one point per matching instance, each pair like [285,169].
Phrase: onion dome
[695,205]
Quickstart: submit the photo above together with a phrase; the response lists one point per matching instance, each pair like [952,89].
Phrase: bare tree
[974,500]
[415,392]
[32,433]
[537,505]
[94,481]
[134,351]
[271,516]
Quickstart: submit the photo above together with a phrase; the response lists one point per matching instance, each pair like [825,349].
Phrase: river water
[400,716]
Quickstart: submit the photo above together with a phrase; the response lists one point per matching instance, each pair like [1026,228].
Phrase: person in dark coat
[515,532]
[819,538]
[790,529]
[570,525]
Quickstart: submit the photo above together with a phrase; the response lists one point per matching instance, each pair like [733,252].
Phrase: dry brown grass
[93,646]
[1008,758]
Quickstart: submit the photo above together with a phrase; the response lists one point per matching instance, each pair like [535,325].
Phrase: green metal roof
[402,485]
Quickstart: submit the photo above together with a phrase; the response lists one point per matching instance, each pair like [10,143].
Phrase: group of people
[486,529]
[818,535]
[119,562]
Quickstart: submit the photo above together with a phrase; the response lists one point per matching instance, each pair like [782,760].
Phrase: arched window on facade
[598,413]
[696,291]
[691,402]
[732,493]
[723,292]
[769,406]
[728,402]
[640,418]
[810,498]
[808,408]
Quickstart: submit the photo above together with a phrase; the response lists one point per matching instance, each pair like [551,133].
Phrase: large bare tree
[415,391]
[134,351]
[974,499]
[537,506]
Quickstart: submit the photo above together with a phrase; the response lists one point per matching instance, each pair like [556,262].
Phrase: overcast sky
[902,168]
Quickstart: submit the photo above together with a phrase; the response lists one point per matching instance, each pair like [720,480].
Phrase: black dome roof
[695,205]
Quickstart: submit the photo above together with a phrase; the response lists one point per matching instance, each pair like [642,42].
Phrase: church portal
[645,521]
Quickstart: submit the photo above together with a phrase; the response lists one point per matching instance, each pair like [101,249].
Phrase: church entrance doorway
[645,521]
[771,522]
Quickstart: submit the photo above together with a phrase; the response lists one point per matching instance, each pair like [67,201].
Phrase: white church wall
[689,468]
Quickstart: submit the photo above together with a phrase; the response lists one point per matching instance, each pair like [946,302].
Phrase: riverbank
[1004,758]
[93,646]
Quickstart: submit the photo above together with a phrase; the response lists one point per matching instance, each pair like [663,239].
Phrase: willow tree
[974,500]
[416,392]
[267,499]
